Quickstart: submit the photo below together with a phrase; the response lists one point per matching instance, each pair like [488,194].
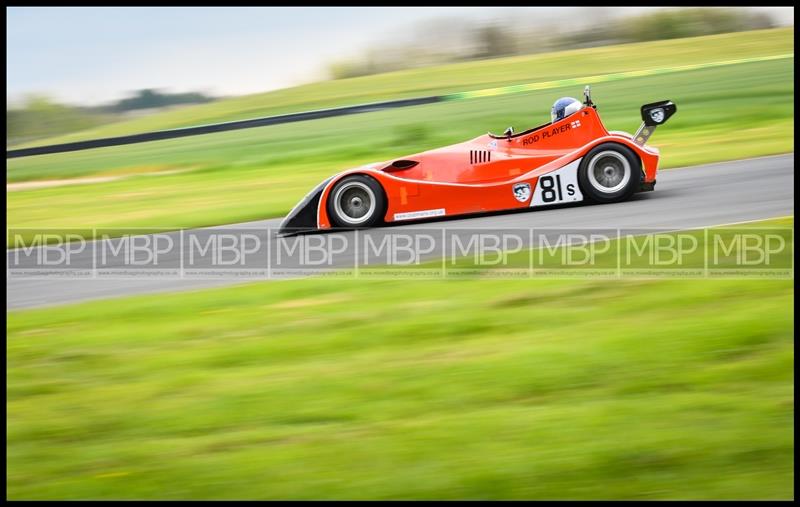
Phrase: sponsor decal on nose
[522,191]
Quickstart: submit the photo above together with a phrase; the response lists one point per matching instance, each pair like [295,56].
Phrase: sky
[94,55]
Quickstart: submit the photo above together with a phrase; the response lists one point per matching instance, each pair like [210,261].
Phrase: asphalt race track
[713,194]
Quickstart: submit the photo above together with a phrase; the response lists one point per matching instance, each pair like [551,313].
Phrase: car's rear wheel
[610,173]
[356,201]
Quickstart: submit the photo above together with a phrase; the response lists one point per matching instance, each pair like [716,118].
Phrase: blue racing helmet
[564,107]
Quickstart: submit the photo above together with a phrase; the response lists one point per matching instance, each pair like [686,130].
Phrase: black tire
[610,172]
[356,201]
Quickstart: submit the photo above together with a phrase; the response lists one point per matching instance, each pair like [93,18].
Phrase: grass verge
[447,389]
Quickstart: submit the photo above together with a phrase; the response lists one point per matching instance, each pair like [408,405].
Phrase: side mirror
[587,96]
[509,132]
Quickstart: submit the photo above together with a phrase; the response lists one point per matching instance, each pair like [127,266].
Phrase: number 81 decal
[558,186]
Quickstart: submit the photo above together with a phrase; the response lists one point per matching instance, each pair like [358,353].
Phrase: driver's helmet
[564,107]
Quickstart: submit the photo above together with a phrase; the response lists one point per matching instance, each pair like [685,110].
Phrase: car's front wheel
[610,173]
[356,201]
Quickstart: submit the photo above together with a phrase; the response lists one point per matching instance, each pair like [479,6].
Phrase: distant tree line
[490,40]
[41,117]
[150,99]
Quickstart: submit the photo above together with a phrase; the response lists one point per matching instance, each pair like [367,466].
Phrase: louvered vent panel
[479,156]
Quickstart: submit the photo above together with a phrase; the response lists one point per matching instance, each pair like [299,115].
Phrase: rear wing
[653,115]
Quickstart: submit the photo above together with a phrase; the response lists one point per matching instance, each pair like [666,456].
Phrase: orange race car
[573,158]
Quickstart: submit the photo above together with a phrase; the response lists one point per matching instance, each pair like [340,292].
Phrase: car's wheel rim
[609,172]
[354,202]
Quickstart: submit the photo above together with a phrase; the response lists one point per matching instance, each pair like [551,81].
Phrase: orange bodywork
[479,175]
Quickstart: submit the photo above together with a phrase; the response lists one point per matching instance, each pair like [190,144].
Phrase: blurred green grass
[357,389]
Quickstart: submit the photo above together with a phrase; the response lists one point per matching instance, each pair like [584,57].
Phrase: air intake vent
[479,156]
[399,165]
